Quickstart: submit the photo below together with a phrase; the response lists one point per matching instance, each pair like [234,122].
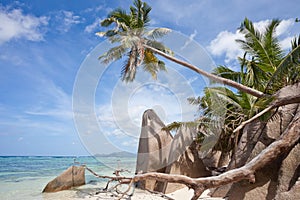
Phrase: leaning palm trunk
[213,77]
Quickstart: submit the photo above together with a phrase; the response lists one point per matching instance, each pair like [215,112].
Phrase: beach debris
[74,176]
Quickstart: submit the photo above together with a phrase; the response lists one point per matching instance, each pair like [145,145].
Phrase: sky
[49,73]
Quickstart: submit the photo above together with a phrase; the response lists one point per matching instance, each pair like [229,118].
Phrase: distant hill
[117,154]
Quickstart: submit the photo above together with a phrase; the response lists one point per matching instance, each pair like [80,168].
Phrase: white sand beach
[182,194]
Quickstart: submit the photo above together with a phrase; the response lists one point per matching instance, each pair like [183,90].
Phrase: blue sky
[44,43]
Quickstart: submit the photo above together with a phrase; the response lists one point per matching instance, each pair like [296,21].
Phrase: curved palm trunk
[213,77]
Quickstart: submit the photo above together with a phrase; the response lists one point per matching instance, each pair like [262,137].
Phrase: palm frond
[140,14]
[119,24]
[225,95]
[271,43]
[113,54]
[146,11]
[194,100]
[255,77]
[173,126]
[296,42]
[287,72]
[254,44]
[227,73]
[157,33]
[117,16]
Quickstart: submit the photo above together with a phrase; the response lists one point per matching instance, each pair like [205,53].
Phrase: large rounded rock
[74,176]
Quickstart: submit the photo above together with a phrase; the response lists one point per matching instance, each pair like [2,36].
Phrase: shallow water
[25,177]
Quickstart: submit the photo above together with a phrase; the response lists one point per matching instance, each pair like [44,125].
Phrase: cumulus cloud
[284,26]
[16,25]
[225,43]
[286,42]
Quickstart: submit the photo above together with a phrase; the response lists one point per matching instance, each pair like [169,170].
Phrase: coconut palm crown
[130,33]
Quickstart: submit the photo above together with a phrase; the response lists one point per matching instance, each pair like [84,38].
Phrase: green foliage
[288,70]
[264,67]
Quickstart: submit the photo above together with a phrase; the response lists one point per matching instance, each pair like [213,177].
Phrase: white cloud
[67,20]
[225,43]
[286,43]
[92,27]
[16,25]
[261,25]
[284,26]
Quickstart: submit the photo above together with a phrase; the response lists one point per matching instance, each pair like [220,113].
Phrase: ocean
[24,177]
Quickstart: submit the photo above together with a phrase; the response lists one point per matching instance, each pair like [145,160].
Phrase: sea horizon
[24,177]
[66,155]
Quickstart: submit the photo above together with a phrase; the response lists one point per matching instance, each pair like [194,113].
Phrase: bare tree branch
[284,144]
[278,102]
[288,139]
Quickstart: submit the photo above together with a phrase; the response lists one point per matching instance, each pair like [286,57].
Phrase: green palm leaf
[262,47]
[227,73]
[288,70]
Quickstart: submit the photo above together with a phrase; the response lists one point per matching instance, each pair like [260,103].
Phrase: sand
[139,194]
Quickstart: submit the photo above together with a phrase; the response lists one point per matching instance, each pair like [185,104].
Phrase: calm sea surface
[25,177]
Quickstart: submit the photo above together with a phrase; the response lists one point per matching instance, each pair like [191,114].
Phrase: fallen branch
[288,139]
[285,143]
[113,178]
[243,124]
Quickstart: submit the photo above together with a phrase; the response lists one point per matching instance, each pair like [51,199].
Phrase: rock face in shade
[72,177]
[289,173]
[159,152]
[154,148]
[184,159]
[278,180]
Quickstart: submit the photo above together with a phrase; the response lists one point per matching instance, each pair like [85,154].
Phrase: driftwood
[283,145]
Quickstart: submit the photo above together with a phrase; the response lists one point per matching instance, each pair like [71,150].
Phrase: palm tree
[140,46]
[130,33]
[263,67]
[264,61]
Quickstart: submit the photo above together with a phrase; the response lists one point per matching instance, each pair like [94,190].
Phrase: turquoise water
[25,177]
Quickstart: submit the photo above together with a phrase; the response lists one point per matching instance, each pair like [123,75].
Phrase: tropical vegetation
[264,69]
